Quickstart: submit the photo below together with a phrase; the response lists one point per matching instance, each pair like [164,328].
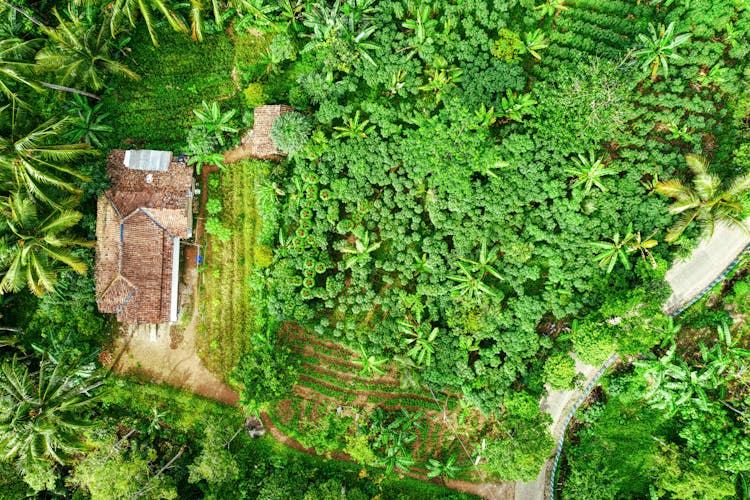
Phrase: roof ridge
[153,219]
[117,277]
[112,202]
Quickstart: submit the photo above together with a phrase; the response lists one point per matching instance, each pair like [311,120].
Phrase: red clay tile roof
[263,118]
[137,222]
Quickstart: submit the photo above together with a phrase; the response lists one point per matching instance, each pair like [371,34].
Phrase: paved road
[688,278]
[557,404]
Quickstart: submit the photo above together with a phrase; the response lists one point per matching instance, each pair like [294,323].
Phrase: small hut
[262,145]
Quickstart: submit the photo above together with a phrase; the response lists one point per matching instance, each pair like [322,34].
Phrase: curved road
[689,280]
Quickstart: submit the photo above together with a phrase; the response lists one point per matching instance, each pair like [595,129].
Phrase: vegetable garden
[333,399]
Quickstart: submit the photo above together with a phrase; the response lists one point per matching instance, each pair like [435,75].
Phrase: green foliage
[214,227]
[559,371]
[267,374]
[507,46]
[119,469]
[214,121]
[290,132]
[520,454]
[44,409]
[213,206]
[215,463]
[175,79]
[254,95]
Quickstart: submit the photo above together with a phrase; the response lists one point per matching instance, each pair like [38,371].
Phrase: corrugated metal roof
[147,159]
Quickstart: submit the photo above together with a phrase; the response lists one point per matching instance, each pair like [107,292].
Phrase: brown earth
[166,353]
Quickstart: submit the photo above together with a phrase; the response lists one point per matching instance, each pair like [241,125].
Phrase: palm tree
[131,9]
[33,245]
[88,122]
[43,411]
[708,200]
[589,171]
[659,48]
[214,121]
[80,52]
[32,161]
[14,67]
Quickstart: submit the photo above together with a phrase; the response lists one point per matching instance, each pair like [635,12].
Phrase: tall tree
[43,410]
[130,10]
[33,245]
[81,51]
[708,200]
[34,160]
[15,66]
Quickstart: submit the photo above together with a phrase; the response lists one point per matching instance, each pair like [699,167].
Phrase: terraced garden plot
[228,314]
[330,384]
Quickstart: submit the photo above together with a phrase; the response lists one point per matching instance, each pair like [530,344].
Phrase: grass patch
[156,111]
[229,315]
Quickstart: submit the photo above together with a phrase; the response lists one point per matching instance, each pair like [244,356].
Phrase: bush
[213,206]
[254,95]
[559,371]
[282,49]
[214,227]
[291,131]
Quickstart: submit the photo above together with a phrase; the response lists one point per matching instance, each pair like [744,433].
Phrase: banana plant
[354,127]
[589,171]
[362,248]
[659,48]
[515,107]
[371,366]
[420,340]
[551,8]
[534,41]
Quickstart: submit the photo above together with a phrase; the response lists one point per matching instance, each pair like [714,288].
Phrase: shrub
[507,46]
[559,371]
[214,227]
[291,131]
[282,49]
[200,140]
[254,95]
[213,206]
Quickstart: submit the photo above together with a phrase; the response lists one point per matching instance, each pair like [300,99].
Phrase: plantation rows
[330,380]
[228,311]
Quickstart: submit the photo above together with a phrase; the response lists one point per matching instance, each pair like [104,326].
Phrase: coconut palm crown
[708,200]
